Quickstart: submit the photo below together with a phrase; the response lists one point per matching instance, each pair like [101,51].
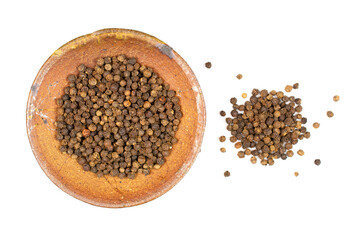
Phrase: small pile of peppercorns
[118,118]
[267,126]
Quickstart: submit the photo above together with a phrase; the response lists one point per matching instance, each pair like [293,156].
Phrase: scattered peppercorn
[226,174]
[336,98]
[222,138]
[271,161]
[296,174]
[317,162]
[296,86]
[267,125]
[222,149]
[241,154]
[208,65]
[244,95]
[288,88]
[290,153]
[222,113]
[239,76]
[118,118]
[330,114]
[233,100]
[316,125]
[238,145]
[253,160]
[300,152]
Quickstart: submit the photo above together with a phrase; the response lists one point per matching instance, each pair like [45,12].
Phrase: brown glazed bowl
[64,171]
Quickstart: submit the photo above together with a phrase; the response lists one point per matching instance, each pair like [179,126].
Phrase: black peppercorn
[208,64]
[330,114]
[226,174]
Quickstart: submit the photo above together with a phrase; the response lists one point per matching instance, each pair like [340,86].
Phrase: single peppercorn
[288,88]
[238,145]
[296,174]
[317,162]
[239,76]
[233,100]
[222,138]
[271,161]
[330,114]
[86,133]
[226,174]
[222,149]
[244,95]
[316,125]
[336,98]
[241,154]
[296,86]
[264,162]
[233,139]
[300,152]
[92,81]
[290,153]
[222,113]
[208,64]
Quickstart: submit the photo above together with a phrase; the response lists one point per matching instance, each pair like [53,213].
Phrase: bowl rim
[200,102]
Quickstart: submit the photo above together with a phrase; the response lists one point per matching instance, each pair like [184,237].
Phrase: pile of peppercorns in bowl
[118,118]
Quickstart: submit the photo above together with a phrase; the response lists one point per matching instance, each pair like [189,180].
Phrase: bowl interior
[64,171]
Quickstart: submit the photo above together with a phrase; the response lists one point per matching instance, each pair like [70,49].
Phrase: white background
[272,43]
